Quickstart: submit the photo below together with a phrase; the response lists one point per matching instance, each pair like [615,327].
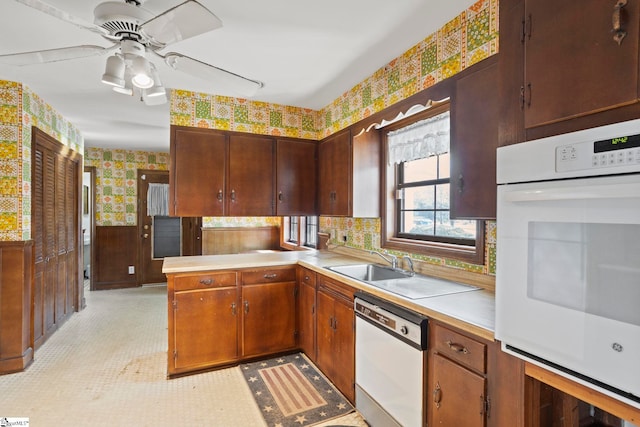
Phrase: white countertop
[473,311]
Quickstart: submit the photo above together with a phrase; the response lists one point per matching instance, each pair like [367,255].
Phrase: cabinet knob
[270,276]
[206,282]
[246,307]
[233,195]
[220,196]
[233,308]
[460,184]
[280,196]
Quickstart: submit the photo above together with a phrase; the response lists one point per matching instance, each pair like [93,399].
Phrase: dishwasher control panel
[409,327]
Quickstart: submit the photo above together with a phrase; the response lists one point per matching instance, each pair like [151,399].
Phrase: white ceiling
[307,53]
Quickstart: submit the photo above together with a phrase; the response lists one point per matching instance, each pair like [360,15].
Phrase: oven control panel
[592,155]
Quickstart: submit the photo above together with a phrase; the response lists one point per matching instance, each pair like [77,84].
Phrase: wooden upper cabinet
[197,173]
[562,70]
[474,139]
[251,176]
[214,173]
[295,177]
[573,65]
[349,175]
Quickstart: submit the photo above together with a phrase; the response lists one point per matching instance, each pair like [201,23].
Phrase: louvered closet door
[55,216]
[71,217]
[37,224]
[61,237]
[50,247]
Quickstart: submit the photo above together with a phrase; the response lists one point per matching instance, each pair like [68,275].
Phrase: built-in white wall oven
[568,256]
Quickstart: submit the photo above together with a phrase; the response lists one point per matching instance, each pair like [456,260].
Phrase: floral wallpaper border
[465,40]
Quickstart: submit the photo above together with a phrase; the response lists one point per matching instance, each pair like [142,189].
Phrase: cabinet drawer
[307,277]
[460,348]
[269,275]
[204,281]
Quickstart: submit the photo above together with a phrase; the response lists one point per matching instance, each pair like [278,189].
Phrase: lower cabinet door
[205,328]
[268,318]
[456,395]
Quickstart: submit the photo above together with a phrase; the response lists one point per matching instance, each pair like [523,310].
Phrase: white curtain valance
[158,200]
[422,139]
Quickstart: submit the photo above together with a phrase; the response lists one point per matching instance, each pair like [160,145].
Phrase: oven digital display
[619,143]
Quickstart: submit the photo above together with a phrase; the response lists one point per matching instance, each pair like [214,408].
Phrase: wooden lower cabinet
[307,312]
[268,318]
[335,334]
[219,318]
[205,328]
[458,395]
[471,382]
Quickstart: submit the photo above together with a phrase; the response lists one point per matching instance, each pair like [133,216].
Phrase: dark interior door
[158,236]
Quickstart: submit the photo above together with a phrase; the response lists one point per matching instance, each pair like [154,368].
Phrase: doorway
[159,234]
[88,225]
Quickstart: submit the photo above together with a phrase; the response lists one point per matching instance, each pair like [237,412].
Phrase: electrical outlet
[344,238]
[132,269]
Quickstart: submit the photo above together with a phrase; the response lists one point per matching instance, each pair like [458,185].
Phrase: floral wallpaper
[227,113]
[20,109]
[116,181]
[467,39]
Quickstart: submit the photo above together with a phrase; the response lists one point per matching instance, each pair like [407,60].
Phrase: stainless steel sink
[400,282]
[370,272]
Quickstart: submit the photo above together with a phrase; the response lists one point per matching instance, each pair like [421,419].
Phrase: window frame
[474,254]
[302,227]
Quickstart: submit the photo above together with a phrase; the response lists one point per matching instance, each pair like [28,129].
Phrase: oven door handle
[612,191]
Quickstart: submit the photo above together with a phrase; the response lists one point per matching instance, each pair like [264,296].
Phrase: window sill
[469,254]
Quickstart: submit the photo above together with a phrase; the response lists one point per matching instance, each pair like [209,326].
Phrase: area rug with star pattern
[291,391]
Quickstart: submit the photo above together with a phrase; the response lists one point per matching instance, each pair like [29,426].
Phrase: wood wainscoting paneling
[16,327]
[235,240]
[116,250]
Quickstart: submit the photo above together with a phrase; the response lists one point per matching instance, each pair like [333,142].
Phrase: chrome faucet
[390,258]
[410,262]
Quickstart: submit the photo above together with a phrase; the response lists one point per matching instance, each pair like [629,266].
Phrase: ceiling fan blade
[241,85]
[64,16]
[186,20]
[54,55]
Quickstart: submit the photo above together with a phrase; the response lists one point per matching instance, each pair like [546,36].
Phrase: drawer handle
[206,282]
[437,395]
[458,348]
[619,32]
[270,276]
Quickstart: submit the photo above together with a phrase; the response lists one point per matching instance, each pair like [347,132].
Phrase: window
[417,215]
[300,231]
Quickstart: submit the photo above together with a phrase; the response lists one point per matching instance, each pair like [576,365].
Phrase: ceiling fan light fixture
[114,71]
[157,89]
[141,73]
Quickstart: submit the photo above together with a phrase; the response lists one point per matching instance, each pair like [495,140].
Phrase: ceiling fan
[138,35]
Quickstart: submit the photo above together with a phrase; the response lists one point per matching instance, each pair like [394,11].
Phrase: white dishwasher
[390,363]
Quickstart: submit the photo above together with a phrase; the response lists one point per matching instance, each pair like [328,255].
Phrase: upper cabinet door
[197,172]
[474,139]
[295,177]
[251,176]
[573,65]
[334,174]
